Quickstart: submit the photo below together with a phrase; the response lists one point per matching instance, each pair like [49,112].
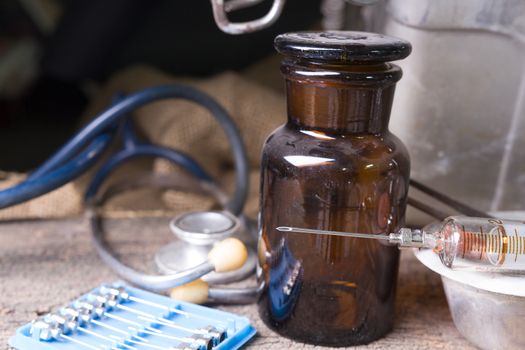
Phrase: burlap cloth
[183,125]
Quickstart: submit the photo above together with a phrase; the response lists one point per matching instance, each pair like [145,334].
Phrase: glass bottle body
[329,168]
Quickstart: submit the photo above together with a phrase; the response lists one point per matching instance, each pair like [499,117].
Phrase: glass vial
[333,166]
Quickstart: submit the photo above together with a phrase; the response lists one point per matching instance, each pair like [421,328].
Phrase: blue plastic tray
[238,329]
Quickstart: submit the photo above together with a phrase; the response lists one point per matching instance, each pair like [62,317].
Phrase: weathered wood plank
[44,264]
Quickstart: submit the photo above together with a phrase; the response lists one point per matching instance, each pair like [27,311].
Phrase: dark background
[92,39]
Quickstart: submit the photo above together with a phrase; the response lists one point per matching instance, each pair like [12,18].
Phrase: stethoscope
[227,254]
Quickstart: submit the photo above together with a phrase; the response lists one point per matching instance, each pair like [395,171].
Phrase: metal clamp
[221,8]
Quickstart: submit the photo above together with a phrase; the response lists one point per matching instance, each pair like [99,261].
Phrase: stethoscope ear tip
[228,255]
[194,292]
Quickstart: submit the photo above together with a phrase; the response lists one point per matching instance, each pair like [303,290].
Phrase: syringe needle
[333,233]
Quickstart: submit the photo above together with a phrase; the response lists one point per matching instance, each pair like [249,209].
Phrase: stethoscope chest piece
[195,234]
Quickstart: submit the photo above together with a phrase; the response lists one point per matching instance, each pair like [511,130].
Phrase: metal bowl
[487,319]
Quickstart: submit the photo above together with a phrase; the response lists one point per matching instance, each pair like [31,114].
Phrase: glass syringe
[460,241]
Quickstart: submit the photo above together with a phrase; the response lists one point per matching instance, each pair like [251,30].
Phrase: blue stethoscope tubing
[86,147]
[90,143]
[132,149]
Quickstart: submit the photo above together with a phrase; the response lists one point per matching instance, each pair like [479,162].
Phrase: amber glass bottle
[333,166]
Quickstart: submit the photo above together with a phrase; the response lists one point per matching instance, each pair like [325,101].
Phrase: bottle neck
[344,99]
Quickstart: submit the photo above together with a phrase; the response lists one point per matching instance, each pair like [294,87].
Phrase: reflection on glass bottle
[335,166]
[285,283]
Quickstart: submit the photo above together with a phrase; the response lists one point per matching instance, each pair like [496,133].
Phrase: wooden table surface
[44,264]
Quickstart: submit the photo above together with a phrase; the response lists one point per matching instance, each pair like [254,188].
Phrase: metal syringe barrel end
[409,238]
